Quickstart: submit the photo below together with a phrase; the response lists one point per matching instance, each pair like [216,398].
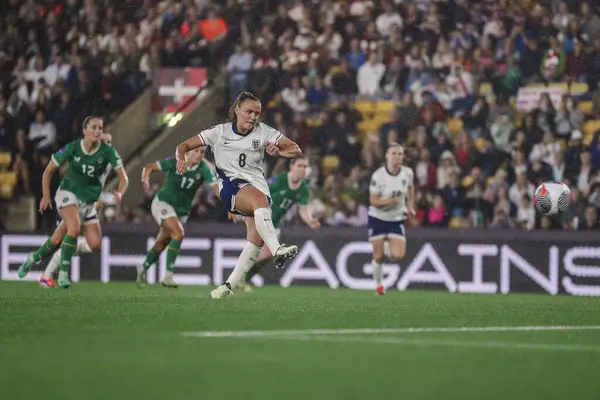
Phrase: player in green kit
[77,195]
[286,190]
[47,278]
[171,207]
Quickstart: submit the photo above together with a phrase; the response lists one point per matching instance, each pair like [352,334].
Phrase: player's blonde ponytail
[242,97]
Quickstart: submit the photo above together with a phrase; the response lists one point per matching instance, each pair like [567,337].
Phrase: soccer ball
[552,198]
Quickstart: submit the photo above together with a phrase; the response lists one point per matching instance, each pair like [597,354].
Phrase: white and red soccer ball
[551,198]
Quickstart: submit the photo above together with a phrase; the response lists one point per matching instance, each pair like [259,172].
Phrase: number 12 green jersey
[85,175]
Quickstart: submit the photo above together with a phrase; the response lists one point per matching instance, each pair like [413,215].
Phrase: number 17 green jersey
[284,196]
[179,190]
[85,175]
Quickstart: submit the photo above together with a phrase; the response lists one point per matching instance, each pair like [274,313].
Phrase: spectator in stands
[42,132]
[553,61]
[446,169]
[546,150]
[369,76]
[356,57]
[394,77]
[590,220]
[294,96]
[238,67]
[569,117]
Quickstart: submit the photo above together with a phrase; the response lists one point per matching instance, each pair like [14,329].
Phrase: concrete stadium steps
[205,114]
[132,126]
[21,214]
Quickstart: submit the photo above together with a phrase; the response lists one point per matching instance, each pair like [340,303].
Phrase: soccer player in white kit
[239,147]
[391,198]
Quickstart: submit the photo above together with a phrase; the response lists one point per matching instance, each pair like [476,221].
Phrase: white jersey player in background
[47,279]
[391,197]
[238,147]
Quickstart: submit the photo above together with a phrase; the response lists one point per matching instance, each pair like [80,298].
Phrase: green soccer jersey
[284,197]
[85,177]
[179,190]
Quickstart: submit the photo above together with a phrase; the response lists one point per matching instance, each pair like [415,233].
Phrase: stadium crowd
[323,67]
[62,60]
[326,70]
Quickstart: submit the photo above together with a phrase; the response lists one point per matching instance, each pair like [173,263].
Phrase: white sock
[83,248]
[244,263]
[377,273]
[169,275]
[265,228]
[386,249]
[54,263]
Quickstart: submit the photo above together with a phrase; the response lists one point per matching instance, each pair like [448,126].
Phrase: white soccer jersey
[240,156]
[386,185]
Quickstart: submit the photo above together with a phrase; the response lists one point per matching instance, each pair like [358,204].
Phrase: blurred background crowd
[343,79]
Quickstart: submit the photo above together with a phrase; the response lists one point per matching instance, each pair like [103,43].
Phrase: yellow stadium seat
[330,163]
[8,181]
[369,125]
[8,178]
[381,119]
[564,86]
[585,107]
[455,223]
[5,159]
[578,88]
[587,139]
[485,89]
[479,143]
[314,122]
[364,107]
[455,125]
[591,127]
[384,106]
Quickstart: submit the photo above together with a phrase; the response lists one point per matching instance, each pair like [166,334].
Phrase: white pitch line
[367,331]
[449,343]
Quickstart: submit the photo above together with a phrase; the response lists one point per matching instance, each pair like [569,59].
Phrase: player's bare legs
[70,216]
[170,236]
[245,261]
[47,279]
[378,251]
[397,247]
[252,201]
[51,245]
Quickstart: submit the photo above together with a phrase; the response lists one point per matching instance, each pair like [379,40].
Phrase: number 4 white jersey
[240,156]
[386,185]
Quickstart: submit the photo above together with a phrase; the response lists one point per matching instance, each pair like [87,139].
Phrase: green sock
[44,251]
[172,253]
[69,245]
[151,257]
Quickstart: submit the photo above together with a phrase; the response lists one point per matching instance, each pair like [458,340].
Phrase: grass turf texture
[114,341]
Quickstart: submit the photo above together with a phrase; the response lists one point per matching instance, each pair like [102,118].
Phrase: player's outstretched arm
[411,201]
[192,143]
[308,218]
[146,172]
[46,180]
[377,201]
[123,184]
[285,148]
[215,189]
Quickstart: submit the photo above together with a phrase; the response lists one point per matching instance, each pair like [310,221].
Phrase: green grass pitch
[115,341]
